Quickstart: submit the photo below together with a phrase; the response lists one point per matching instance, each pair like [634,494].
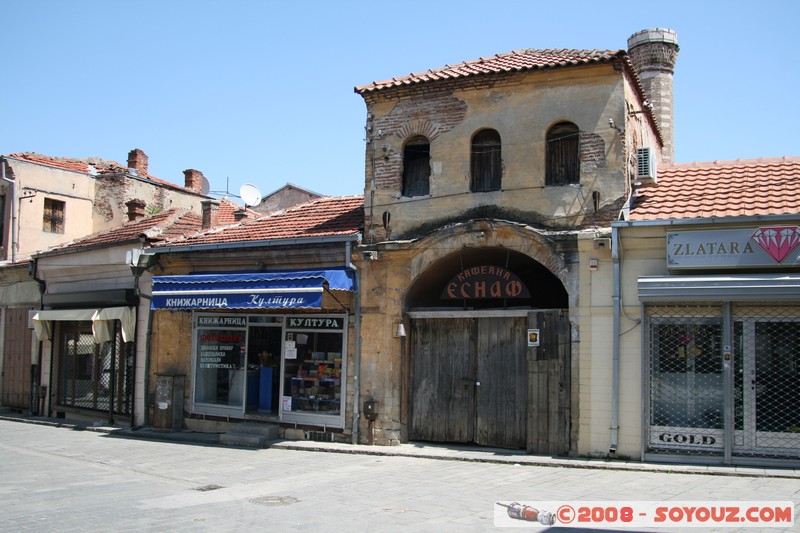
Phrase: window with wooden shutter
[563,149]
[486,163]
[417,167]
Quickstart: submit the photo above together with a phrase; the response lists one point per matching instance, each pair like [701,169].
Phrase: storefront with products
[264,345]
[721,340]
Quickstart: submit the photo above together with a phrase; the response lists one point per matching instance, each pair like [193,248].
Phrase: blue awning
[295,289]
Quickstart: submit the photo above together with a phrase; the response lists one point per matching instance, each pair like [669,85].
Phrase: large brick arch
[493,236]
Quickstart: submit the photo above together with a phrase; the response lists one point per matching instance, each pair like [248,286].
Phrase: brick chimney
[135,209]
[239,215]
[137,160]
[210,213]
[193,179]
[653,54]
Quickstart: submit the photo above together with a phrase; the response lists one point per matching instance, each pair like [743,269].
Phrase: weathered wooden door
[469,380]
[502,382]
[17,364]
[549,390]
[442,380]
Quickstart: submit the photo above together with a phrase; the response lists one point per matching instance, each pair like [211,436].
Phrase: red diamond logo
[778,241]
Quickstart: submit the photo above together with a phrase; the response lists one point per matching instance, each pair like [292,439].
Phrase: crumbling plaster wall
[521,109]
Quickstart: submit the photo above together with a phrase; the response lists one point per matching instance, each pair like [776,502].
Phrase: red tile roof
[743,187]
[171,224]
[321,217]
[518,60]
[226,214]
[94,166]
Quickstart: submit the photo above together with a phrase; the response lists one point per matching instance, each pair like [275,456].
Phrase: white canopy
[102,328]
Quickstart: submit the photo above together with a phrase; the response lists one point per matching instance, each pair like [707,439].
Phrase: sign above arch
[484,282]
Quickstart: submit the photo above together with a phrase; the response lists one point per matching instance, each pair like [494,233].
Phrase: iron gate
[722,380]
[95,377]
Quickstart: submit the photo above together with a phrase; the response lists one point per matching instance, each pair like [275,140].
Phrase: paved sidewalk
[421,450]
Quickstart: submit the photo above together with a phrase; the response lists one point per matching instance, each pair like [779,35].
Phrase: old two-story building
[50,201]
[706,331]
[490,188]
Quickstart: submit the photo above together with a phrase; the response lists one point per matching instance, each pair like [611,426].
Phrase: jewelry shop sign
[770,246]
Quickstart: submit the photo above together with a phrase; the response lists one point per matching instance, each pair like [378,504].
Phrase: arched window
[486,165]
[563,149]
[417,167]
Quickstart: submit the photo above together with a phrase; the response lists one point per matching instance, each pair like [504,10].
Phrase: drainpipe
[12,232]
[615,297]
[357,344]
[36,373]
[137,274]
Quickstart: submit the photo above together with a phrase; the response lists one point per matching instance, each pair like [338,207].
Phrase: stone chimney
[135,209]
[210,213]
[653,54]
[137,160]
[193,180]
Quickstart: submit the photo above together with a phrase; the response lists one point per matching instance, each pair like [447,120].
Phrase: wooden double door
[475,379]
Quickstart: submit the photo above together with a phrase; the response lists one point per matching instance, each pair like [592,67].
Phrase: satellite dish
[205,187]
[250,195]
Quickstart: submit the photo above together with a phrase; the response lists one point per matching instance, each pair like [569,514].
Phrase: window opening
[53,221]
[563,147]
[486,162]
[417,167]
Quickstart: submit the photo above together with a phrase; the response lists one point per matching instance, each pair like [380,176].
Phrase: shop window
[563,150]
[220,361]
[53,221]
[686,389]
[486,166]
[417,167]
[313,371]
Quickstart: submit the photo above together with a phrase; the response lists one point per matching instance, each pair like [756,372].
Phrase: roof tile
[321,217]
[742,187]
[518,60]
[171,224]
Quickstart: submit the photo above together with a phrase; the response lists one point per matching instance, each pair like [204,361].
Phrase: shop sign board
[485,282]
[315,322]
[221,321]
[770,246]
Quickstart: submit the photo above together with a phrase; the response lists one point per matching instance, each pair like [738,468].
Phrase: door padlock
[477,383]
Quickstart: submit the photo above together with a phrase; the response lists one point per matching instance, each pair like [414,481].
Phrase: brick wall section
[593,153]
[429,116]
[654,54]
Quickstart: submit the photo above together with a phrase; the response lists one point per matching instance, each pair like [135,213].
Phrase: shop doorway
[263,369]
[767,407]
[701,405]
[489,353]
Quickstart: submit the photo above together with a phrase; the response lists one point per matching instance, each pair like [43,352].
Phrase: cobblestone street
[59,479]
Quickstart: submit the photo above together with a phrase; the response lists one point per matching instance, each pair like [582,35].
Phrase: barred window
[486,162]
[53,221]
[563,148]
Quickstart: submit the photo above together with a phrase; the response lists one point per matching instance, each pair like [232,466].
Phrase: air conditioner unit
[646,167]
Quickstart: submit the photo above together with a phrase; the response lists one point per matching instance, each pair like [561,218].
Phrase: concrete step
[252,434]
[249,440]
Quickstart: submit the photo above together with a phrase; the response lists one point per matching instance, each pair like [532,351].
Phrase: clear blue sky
[261,92]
